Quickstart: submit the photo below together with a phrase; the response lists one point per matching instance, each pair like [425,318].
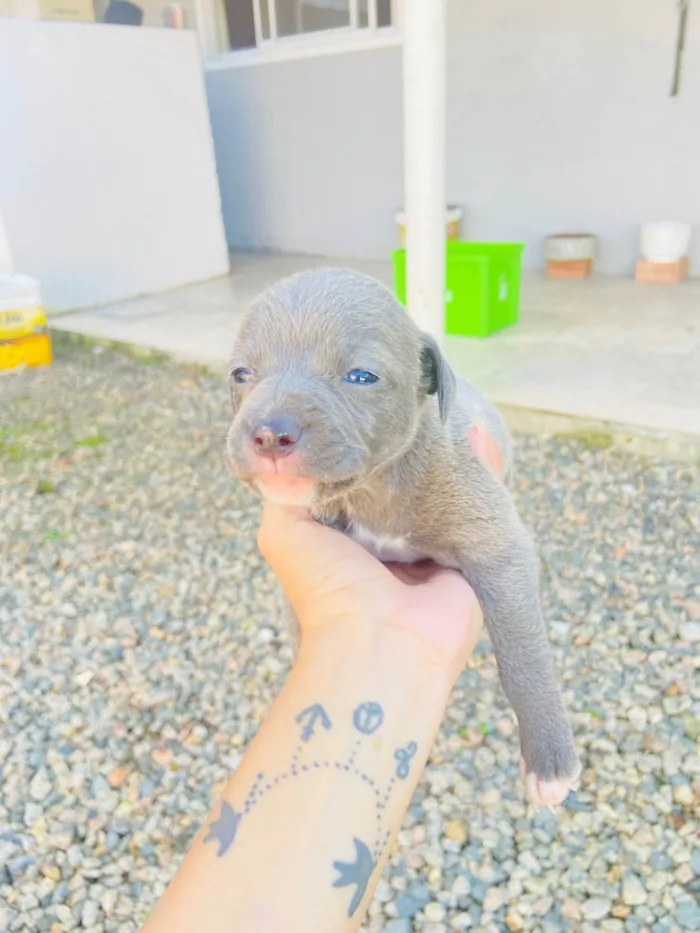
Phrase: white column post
[424,85]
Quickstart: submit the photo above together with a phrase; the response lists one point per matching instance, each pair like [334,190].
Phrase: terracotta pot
[662,273]
[568,268]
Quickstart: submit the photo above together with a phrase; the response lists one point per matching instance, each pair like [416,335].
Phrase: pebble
[413,900]
[530,862]
[683,795]
[456,830]
[688,914]
[637,717]
[493,900]
[542,906]
[633,892]
[612,926]
[434,911]
[39,786]
[460,886]
[89,913]
[17,866]
[660,861]
[689,631]
[595,908]
[142,647]
[514,922]
[462,921]
[657,881]
[571,910]
[64,914]
[398,926]
[679,852]
[118,776]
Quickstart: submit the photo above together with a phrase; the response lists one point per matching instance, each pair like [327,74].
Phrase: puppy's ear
[436,375]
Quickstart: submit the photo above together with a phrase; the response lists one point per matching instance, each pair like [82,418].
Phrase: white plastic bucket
[664,242]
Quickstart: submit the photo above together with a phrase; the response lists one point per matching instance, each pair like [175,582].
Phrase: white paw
[548,793]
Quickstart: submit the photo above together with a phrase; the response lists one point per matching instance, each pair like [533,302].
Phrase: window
[176,14]
[256,30]
[273,25]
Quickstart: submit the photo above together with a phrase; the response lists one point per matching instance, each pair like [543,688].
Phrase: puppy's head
[329,377]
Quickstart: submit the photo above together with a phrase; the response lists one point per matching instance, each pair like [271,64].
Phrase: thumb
[309,558]
[283,538]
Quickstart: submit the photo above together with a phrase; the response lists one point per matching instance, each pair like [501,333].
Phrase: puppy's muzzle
[275,437]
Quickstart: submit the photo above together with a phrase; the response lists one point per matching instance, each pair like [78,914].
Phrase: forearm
[303,827]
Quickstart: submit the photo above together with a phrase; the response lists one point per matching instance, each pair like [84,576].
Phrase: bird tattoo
[358,873]
[224,829]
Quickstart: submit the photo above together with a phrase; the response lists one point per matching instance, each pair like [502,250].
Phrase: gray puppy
[342,404]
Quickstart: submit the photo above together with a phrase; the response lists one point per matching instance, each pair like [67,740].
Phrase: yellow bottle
[24,335]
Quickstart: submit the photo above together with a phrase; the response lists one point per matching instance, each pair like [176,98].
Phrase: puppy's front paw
[548,793]
[549,778]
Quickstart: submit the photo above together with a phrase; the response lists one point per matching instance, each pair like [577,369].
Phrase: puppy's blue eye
[361,377]
[241,375]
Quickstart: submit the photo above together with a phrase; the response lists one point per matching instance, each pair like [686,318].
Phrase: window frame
[349,38]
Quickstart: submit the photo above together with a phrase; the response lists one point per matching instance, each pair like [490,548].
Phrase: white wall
[107,178]
[559,118]
[309,153]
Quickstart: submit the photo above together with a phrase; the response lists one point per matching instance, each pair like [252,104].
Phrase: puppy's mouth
[279,479]
[286,465]
[282,482]
[286,477]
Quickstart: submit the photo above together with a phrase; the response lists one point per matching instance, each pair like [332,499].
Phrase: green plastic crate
[482,286]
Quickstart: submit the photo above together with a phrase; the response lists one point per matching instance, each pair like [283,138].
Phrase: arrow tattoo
[309,717]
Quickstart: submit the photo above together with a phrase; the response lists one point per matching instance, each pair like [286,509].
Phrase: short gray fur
[394,458]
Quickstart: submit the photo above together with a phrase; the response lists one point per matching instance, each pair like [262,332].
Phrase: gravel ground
[140,649]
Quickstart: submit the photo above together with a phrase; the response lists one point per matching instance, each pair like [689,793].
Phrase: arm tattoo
[366,719]
[309,717]
[224,829]
[355,873]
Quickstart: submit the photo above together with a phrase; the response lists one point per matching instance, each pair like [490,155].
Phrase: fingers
[487,449]
[310,558]
[284,538]
[279,522]
[326,574]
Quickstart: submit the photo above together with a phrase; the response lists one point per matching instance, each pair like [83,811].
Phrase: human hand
[329,578]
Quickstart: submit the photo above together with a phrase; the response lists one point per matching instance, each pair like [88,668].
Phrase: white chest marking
[385,547]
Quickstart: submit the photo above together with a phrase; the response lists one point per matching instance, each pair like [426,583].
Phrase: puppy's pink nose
[276,437]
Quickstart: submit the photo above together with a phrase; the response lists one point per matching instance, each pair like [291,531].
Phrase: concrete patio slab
[604,350]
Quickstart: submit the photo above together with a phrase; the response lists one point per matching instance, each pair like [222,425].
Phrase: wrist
[361,653]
